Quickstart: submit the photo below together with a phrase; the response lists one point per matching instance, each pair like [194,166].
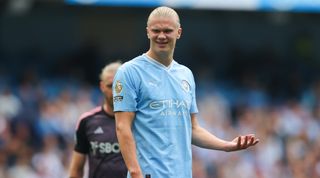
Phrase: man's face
[163,33]
[106,88]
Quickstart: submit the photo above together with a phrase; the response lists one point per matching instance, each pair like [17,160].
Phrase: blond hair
[164,11]
[110,69]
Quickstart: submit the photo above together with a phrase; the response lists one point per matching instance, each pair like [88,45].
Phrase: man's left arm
[76,169]
[202,138]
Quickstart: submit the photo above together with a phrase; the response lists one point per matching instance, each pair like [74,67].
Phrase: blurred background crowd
[256,72]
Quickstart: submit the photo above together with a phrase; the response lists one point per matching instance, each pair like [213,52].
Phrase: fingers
[251,140]
[255,141]
[246,141]
[245,144]
[239,142]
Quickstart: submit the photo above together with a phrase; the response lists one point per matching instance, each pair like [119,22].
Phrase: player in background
[96,136]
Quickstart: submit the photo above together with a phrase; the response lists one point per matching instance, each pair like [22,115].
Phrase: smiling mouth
[162,44]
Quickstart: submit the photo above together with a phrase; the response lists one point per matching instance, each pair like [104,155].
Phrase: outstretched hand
[243,142]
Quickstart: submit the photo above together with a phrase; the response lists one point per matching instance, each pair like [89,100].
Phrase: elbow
[123,122]
[119,129]
[122,130]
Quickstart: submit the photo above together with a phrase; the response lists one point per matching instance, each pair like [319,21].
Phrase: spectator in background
[48,162]
[155,107]
[10,104]
[96,136]
[23,167]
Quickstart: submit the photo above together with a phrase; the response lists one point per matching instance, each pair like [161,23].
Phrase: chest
[166,85]
[101,129]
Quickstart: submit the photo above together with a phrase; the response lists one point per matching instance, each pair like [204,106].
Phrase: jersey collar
[155,62]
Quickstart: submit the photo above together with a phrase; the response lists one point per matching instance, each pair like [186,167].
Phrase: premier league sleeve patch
[118,89]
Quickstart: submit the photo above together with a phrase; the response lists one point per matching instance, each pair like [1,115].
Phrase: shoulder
[132,70]
[87,115]
[138,62]
[181,67]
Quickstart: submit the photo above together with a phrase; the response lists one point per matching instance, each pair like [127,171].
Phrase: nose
[161,35]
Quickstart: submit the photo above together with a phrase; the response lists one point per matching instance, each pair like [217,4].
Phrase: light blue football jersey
[163,99]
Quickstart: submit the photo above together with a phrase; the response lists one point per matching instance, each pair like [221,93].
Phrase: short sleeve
[82,143]
[124,91]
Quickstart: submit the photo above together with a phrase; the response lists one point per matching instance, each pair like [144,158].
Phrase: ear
[179,33]
[147,33]
[102,86]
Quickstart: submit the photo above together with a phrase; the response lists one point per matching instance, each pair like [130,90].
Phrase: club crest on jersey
[118,87]
[185,85]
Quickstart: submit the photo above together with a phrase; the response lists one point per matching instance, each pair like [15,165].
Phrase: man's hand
[242,142]
[136,175]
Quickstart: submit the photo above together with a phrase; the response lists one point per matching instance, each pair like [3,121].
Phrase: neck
[164,58]
[108,109]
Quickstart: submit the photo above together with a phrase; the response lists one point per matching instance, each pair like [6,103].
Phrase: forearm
[76,177]
[77,165]
[204,139]
[128,150]
[76,172]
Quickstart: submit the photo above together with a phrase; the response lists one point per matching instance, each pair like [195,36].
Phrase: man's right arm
[77,165]
[127,143]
